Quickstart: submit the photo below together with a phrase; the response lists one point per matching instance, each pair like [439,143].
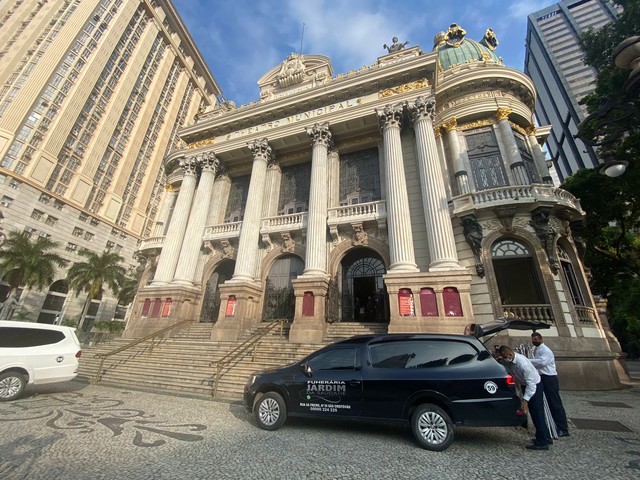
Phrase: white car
[35,354]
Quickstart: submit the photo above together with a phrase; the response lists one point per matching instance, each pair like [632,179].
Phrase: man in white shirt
[533,393]
[545,362]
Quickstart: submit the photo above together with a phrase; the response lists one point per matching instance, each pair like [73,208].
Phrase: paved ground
[78,431]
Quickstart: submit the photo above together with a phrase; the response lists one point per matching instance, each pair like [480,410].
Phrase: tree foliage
[29,263]
[91,275]
[612,233]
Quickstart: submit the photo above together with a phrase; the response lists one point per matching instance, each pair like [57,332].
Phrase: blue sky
[241,40]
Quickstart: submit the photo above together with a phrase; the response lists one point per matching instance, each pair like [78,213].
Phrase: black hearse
[430,381]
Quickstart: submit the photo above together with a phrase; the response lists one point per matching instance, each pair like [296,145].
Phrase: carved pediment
[295,72]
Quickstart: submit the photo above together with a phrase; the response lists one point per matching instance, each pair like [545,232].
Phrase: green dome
[454,49]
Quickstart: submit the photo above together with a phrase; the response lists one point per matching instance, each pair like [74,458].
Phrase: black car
[431,381]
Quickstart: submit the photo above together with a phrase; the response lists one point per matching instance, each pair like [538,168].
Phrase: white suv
[35,353]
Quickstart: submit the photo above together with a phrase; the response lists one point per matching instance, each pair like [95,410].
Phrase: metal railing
[151,336]
[240,350]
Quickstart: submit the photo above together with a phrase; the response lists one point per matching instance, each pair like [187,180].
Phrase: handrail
[151,336]
[252,341]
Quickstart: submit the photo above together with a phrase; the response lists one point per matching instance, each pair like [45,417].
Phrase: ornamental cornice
[407,87]
[476,124]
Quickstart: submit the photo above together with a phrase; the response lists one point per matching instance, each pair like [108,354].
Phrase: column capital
[390,116]
[451,124]
[422,109]
[208,162]
[503,113]
[261,150]
[320,134]
[531,130]
[189,164]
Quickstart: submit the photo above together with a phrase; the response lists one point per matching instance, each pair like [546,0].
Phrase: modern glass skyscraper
[554,61]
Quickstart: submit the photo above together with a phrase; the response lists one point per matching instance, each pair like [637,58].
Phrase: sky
[241,40]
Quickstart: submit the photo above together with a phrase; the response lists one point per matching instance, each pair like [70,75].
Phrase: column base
[237,316]
[402,320]
[307,326]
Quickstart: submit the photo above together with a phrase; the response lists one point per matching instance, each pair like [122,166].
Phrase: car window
[17,337]
[420,354]
[338,359]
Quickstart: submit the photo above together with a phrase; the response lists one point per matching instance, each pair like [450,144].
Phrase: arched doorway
[211,301]
[363,295]
[279,297]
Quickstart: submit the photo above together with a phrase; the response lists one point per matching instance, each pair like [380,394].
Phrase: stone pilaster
[514,159]
[192,242]
[442,245]
[316,250]
[400,233]
[250,233]
[176,231]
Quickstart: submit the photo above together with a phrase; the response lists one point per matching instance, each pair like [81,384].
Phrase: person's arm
[530,378]
[543,357]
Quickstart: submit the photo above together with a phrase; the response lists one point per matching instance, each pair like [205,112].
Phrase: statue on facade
[546,233]
[9,307]
[489,40]
[360,237]
[292,70]
[395,46]
[472,232]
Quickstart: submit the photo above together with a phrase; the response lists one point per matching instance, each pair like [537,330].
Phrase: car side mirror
[306,369]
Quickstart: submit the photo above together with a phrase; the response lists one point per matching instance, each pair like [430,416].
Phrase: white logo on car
[490,387]
[60,359]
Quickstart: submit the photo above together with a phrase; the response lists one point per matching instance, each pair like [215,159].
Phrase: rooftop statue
[455,35]
[395,46]
[489,40]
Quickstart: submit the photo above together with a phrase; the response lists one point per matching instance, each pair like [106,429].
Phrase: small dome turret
[454,49]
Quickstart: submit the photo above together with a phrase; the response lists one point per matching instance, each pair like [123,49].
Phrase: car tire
[11,386]
[432,427]
[270,411]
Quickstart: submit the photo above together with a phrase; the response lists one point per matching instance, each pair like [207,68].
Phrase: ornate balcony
[151,245]
[349,218]
[532,313]
[514,195]
[287,227]
[222,231]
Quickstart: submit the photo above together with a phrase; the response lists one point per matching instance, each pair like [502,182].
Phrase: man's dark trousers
[552,392]
[536,410]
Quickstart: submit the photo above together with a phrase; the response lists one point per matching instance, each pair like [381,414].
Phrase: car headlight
[252,380]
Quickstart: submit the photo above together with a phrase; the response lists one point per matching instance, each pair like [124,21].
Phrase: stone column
[250,231]
[316,250]
[175,233]
[462,177]
[219,197]
[513,154]
[272,190]
[160,227]
[442,245]
[192,242]
[400,233]
[538,156]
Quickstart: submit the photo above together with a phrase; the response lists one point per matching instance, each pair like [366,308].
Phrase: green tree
[28,263]
[128,290]
[91,275]
[612,233]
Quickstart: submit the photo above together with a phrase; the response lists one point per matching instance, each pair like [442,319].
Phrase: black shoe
[535,446]
[549,442]
[563,434]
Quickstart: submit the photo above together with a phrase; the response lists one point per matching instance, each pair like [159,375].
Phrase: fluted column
[513,154]
[162,220]
[316,252]
[250,231]
[178,224]
[442,245]
[538,156]
[400,233]
[219,197]
[193,238]
[272,190]
[462,177]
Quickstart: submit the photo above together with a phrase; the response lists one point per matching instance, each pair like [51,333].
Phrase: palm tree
[128,290]
[28,263]
[91,275]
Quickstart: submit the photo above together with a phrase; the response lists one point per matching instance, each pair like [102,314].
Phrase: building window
[570,277]
[44,235]
[51,220]
[6,201]
[37,214]
[485,159]
[94,222]
[71,247]
[14,184]
[88,236]
[44,198]
[28,231]
[83,217]
[359,177]
[57,204]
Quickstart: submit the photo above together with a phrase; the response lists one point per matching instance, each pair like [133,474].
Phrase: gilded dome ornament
[455,35]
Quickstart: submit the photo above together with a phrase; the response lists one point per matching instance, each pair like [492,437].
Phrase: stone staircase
[180,364]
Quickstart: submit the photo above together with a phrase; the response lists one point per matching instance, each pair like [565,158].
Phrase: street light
[627,56]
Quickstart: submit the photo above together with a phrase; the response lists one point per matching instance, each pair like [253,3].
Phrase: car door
[329,383]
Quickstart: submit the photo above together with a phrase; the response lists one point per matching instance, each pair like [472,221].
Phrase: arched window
[570,276]
[485,159]
[516,273]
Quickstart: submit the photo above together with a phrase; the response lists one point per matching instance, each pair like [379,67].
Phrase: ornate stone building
[412,192]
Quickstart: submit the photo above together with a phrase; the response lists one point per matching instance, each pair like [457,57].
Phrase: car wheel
[11,386]
[432,427]
[270,411]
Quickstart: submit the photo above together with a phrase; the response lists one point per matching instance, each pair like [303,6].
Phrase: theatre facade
[411,193]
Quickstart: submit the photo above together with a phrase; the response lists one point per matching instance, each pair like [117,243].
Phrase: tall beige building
[92,94]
